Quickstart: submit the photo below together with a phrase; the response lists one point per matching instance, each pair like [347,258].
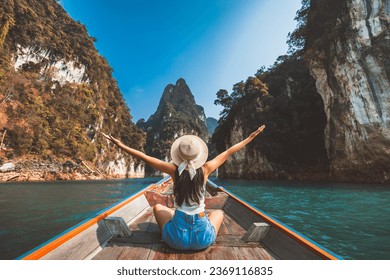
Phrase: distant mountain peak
[178,96]
[177,114]
[180,82]
[212,124]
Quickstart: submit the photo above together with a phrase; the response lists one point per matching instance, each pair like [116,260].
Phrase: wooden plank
[135,252]
[111,252]
[82,245]
[253,253]
[164,252]
[142,222]
[223,229]
[131,210]
[153,226]
[237,253]
[161,251]
[229,240]
[232,226]
[244,253]
[124,252]
[220,253]
[199,255]
[146,222]
[189,255]
[262,254]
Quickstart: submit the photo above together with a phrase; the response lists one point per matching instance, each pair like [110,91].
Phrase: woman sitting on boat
[188,227]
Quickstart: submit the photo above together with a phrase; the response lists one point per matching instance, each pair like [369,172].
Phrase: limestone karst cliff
[56,94]
[283,98]
[333,125]
[177,114]
[351,65]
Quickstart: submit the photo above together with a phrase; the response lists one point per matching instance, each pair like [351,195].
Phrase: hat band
[190,165]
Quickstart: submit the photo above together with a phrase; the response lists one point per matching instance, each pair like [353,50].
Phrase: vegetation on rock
[42,116]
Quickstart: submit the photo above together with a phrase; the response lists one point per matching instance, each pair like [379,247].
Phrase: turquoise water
[351,220]
[32,213]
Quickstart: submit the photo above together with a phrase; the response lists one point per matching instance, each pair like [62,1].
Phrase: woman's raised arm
[156,163]
[213,164]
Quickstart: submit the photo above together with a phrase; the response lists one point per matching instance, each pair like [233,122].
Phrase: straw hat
[190,149]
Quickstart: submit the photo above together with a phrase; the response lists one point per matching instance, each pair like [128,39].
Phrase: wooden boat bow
[128,230]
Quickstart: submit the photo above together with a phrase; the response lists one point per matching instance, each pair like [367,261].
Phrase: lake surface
[351,220]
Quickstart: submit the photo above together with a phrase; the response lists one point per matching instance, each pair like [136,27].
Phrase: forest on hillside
[43,117]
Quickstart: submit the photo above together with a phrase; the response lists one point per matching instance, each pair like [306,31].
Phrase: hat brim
[203,153]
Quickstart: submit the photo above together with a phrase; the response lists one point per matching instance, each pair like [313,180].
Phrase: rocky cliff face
[284,98]
[56,94]
[177,114]
[352,72]
[250,162]
[346,135]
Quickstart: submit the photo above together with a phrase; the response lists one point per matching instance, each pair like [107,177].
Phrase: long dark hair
[186,189]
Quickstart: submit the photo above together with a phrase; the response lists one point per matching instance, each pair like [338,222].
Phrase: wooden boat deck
[145,244]
[98,237]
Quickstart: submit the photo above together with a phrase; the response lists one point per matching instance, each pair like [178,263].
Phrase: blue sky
[212,44]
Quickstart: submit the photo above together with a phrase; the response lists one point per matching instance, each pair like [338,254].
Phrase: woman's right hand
[111,138]
[255,133]
[213,164]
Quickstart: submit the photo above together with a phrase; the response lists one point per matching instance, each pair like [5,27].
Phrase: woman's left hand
[257,132]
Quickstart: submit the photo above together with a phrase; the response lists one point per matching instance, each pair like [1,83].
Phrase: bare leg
[216,219]
[163,215]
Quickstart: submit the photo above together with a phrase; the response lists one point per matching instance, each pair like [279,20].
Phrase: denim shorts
[189,232]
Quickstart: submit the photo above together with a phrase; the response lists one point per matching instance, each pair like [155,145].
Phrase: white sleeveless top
[193,208]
